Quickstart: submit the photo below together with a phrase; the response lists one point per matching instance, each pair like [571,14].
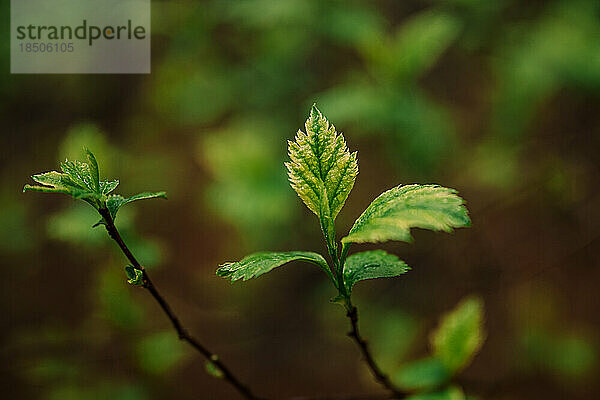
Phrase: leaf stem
[182,332]
[352,313]
[378,374]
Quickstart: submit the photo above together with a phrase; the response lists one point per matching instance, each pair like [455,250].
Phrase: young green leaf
[57,182]
[108,186]
[260,263]
[460,334]
[116,201]
[82,181]
[134,275]
[321,168]
[78,179]
[80,173]
[113,203]
[94,171]
[391,215]
[371,265]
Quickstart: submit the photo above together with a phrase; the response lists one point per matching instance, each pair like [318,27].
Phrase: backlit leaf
[79,173]
[94,171]
[260,263]
[57,182]
[321,168]
[108,186]
[116,201]
[82,181]
[78,179]
[391,215]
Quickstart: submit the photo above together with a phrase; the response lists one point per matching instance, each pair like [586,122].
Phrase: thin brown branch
[228,376]
[378,374]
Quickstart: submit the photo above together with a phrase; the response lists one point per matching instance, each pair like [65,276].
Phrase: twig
[181,331]
[379,375]
[214,359]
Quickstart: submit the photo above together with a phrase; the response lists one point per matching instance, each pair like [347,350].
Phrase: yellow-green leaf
[321,168]
[58,182]
[391,215]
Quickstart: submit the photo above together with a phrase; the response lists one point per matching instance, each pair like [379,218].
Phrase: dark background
[498,99]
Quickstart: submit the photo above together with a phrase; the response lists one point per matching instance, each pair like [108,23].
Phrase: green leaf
[371,265]
[425,373]
[57,182]
[391,215]
[113,203]
[77,179]
[321,168]
[55,179]
[260,263]
[116,201]
[94,171]
[80,173]
[82,181]
[108,186]
[134,275]
[146,195]
[460,334]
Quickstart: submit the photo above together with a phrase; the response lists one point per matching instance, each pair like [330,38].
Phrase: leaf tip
[468,222]
[223,270]
[315,112]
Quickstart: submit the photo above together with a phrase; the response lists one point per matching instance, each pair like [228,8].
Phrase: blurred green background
[498,99]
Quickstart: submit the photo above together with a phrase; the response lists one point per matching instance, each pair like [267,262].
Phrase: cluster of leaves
[322,171]
[82,181]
